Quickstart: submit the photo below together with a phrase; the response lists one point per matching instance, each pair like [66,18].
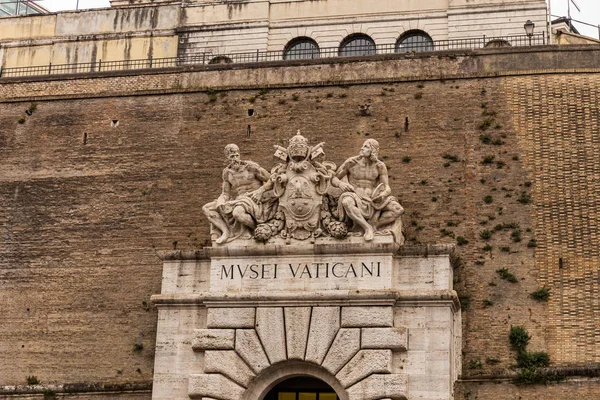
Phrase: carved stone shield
[303,188]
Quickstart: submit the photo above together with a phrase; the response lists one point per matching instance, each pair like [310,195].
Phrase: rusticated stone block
[214,385]
[345,345]
[365,363]
[353,317]
[384,338]
[230,318]
[297,320]
[324,324]
[391,386]
[230,364]
[213,339]
[271,331]
[248,346]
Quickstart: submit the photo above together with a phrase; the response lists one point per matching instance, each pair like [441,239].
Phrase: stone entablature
[401,341]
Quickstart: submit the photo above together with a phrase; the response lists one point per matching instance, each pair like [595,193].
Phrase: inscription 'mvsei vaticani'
[314,270]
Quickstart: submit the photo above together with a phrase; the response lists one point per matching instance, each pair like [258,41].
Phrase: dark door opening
[302,388]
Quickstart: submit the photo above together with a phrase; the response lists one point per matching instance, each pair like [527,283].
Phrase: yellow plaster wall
[117,20]
[88,51]
[27,56]
[27,27]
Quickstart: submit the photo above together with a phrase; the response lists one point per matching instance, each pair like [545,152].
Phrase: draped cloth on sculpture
[371,212]
[262,212]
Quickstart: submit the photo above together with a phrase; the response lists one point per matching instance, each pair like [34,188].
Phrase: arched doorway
[301,388]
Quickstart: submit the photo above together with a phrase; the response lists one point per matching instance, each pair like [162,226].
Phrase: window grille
[301,47]
[357,45]
[414,41]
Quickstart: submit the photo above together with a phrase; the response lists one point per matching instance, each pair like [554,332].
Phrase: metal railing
[209,58]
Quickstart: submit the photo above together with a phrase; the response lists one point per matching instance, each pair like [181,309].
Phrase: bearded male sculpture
[366,201]
[236,212]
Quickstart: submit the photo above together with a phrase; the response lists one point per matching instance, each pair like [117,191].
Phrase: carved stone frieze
[304,197]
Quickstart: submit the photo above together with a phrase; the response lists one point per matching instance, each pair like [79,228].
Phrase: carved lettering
[265,271]
[254,272]
[242,274]
[306,271]
[333,270]
[351,268]
[365,268]
[317,265]
[294,272]
[301,270]
[224,271]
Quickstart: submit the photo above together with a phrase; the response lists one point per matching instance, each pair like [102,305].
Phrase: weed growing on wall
[530,362]
[542,294]
[507,276]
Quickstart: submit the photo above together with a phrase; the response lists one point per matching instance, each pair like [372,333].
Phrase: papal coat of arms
[304,197]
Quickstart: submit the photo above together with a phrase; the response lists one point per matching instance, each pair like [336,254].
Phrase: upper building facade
[292,29]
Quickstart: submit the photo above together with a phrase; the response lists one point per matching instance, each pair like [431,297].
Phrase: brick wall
[87,201]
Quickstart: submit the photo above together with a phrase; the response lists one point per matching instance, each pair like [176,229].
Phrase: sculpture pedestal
[370,321]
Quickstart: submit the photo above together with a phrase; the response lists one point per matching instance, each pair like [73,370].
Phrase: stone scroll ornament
[304,197]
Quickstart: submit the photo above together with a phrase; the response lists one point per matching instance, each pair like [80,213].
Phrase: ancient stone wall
[105,171]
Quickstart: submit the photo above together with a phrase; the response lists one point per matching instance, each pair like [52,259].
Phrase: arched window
[357,45]
[220,60]
[301,47]
[497,43]
[414,41]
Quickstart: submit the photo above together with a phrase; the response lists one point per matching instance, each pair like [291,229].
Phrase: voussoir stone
[271,331]
[297,320]
[214,386]
[324,324]
[230,318]
[363,364]
[213,339]
[345,345]
[230,364]
[388,386]
[369,316]
[248,346]
[384,338]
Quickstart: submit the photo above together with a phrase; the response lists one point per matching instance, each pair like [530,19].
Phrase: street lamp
[529,27]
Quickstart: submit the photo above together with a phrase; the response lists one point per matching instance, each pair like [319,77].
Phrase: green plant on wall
[542,294]
[529,362]
[506,275]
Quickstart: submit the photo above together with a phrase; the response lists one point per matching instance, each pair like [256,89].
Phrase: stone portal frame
[230,343]
[248,350]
